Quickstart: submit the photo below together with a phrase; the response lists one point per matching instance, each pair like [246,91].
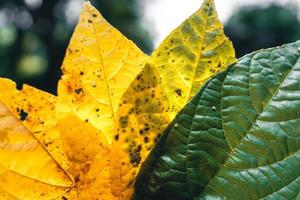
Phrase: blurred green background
[34,34]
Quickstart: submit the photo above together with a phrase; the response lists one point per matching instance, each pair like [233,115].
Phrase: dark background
[34,34]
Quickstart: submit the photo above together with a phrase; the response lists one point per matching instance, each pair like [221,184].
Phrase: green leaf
[237,139]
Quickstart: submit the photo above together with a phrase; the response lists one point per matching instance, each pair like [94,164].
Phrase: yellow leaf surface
[75,146]
[99,66]
[27,168]
[142,116]
[191,54]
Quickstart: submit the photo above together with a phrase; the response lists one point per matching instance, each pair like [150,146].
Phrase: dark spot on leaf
[212,70]
[23,115]
[146,139]
[81,73]
[77,179]
[135,156]
[90,21]
[94,15]
[123,121]
[179,92]
[64,198]
[117,137]
[78,91]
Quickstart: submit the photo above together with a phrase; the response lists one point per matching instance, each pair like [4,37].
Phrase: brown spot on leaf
[78,90]
[179,92]
[117,137]
[23,115]
[146,139]
[135,156]
[123,121]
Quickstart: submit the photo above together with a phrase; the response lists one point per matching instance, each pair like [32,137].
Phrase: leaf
[235,140]
[191,54]
[99,65]
[77,147]
[27,167]
[142,116]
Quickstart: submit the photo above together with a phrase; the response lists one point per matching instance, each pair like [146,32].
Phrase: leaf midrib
[104,74]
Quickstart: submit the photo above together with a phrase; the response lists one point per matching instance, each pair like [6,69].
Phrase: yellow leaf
[77,148]
[23,161]
[142,116]
[191,54]
[36,110]
[99,66]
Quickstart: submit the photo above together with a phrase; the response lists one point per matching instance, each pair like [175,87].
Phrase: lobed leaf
[237,139]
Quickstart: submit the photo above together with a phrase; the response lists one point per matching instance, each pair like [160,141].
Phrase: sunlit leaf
[77,147]
[142,116]
[23,161]
[99,65]
[191,54]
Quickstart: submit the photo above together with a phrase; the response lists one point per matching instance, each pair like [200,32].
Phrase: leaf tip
[87,4]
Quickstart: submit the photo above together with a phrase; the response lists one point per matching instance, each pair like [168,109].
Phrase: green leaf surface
[237,139]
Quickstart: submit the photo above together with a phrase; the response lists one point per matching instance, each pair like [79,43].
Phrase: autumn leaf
[99,66]
[112,105]
[24,160]
[142,116]
[191,54]
[76,146]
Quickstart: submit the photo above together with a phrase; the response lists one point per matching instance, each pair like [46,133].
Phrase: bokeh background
[34,34]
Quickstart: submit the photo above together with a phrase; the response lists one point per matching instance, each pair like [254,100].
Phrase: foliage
[238,138]
[113,102]
[126,125]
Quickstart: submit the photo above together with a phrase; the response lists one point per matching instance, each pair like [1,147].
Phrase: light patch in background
[165,15]
[72,10]
[33,4]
